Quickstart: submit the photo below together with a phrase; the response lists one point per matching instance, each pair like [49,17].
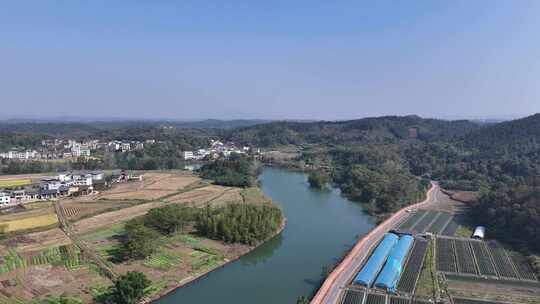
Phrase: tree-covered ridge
[378,161]
[368,130]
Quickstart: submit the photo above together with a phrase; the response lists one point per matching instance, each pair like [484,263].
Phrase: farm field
[32,272]
[502,275]
[426,284]
[465,257]
[491,259]
[177,258]
[426,221]
[446,260]
[407,282]
[450,229]
[375,299]
[413,219]
[483,259]
[398,300]
[154,185]
[38,215]
[353,297]
[516,292]
[41,263]
[10,183]
[438,226]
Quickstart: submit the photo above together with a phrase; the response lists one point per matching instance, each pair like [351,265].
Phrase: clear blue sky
[269,59]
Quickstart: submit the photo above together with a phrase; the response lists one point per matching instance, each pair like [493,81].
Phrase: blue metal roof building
[389,276]
[369,272]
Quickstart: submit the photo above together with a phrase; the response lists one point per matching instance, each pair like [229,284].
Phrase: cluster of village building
[58,148]
[216,149]
[74,183]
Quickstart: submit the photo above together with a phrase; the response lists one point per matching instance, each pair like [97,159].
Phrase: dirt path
[87,251]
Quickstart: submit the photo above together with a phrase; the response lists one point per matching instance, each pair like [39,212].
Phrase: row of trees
[233,223]
[240,223]
[143,233]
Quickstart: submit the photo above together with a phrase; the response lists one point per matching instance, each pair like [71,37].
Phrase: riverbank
[292,263]
[192,280]
[330,290]
[93,227]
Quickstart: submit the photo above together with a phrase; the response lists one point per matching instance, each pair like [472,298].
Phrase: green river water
[321,226]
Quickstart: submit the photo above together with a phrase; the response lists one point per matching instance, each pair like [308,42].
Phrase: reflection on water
[266,251]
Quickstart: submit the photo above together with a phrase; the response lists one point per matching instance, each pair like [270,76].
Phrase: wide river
[321,226]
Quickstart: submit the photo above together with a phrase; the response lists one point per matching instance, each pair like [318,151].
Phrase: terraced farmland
[446,260]
[465,257]
[353,297]
[411,221]
[502,262]
[439,224]
[407,282]
[375,299]
[483,258]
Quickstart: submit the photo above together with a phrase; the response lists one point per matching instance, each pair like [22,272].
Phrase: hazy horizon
[89,119]
[279,60]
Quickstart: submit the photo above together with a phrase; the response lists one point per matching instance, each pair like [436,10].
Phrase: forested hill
[95,128]
[367,130]
[520,135]
[378,161]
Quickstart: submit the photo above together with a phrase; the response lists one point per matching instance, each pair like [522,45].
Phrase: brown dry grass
[114,217]
[198,197]
[35,241]
[76,210]
[173,183]
[38,282]
[138,195]
[154,186]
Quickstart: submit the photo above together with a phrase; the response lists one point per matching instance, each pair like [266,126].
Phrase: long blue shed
[369,272]
[389,276]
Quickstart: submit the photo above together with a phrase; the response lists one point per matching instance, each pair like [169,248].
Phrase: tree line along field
[46,262]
